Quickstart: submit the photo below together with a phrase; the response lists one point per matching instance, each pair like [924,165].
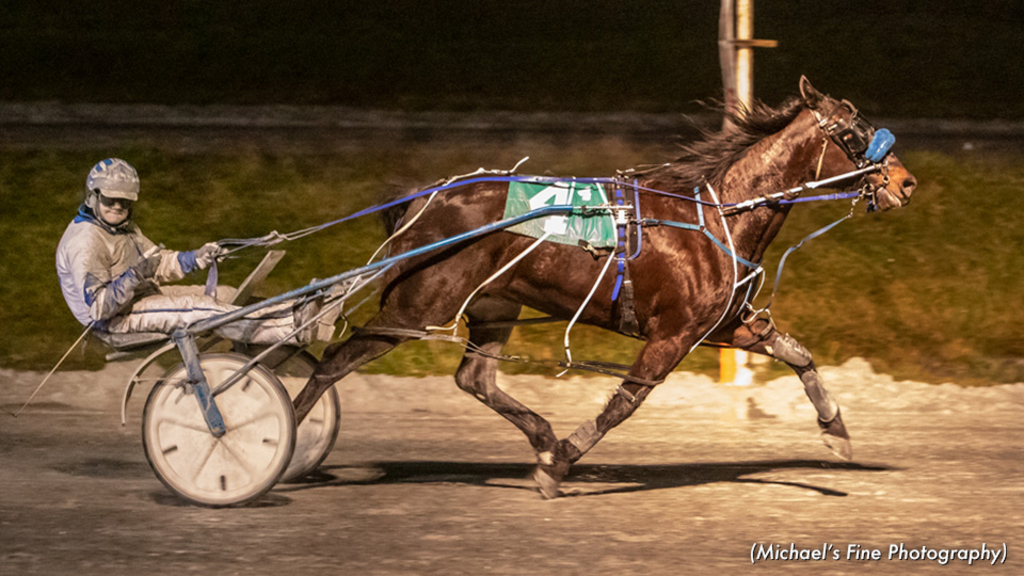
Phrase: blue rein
[881,144]
[879,147]
[275,237]
[699,227]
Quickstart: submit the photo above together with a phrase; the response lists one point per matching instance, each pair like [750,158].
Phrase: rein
[730,208]
[867,160]
[606,368]
[850,135]
[793,195]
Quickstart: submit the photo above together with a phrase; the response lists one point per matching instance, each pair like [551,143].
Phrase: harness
[864,146]
[858,139]
[622,292]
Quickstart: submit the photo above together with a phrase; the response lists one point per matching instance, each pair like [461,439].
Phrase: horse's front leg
[654,362]
[762,337]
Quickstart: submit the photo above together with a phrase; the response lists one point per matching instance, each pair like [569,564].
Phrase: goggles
[124,203]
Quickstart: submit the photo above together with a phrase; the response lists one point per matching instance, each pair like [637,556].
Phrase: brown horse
[684,285]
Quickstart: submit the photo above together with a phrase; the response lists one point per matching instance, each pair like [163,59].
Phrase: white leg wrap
[787,349]
[822,400]
[585,437]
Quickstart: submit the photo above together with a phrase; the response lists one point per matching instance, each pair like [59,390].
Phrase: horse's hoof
[836,438]
[551,468]
[546,485]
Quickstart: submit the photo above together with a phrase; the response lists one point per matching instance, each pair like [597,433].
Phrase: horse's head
[850,139]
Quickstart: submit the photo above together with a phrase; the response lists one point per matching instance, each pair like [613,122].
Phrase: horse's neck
[779,162]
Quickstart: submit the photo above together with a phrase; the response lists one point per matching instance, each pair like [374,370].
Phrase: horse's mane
[711,156]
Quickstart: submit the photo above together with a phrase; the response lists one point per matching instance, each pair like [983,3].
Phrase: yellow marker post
[726,366]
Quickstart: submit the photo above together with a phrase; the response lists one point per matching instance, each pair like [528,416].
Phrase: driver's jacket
[95,265]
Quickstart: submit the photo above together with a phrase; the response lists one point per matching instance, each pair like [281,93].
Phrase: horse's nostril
[909,183]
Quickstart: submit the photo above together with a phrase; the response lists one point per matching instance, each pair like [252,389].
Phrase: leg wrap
[822,400]
[786,348]
[585,437]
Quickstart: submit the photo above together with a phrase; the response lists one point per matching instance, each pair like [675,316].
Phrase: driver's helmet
[114,178]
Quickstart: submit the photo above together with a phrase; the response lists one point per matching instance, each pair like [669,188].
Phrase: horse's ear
[810,95]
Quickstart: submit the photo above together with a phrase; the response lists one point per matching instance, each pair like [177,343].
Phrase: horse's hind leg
[761,337]
[403,308]
[340,359]
[477,375]
[654,362]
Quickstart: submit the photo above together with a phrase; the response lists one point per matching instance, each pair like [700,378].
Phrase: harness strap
[821,158]
[522,322]
[620,250]
[782,262]
[706,232]
[607,368]
[622,293]
[639,229]
[628,323]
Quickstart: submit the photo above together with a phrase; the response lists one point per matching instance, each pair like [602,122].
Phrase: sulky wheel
[318,432]
[236,468]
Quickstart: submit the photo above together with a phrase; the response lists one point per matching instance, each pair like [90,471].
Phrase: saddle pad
[598,229]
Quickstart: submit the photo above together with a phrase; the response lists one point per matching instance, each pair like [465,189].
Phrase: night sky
[907,58]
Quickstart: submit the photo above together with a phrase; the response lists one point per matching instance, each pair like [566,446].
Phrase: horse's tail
[392,217]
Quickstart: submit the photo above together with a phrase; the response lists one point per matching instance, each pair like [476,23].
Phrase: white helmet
[114,178]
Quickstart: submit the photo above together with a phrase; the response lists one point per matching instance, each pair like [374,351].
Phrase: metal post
[727,54]
[744,52]
[186,344]
[736,52]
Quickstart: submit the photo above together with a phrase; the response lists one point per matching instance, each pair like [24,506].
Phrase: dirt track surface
[424,480]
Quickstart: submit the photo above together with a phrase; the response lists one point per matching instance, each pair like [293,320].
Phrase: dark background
[920,59]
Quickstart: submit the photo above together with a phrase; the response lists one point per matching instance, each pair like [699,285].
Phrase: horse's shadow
[583,479]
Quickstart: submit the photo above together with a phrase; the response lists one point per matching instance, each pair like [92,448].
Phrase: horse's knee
[784,347]
[464,378]
[749,336]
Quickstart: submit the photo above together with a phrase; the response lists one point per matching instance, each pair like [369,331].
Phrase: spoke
[251,421]
[186,425]
[244,464]
[206,460]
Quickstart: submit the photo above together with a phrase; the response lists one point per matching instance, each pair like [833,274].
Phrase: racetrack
[425,480]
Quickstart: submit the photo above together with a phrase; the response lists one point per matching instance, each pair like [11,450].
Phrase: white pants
[179,306]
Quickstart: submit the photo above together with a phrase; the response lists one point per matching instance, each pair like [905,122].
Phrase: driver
[111,274]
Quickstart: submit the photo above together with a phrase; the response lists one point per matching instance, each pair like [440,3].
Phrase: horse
[683,285]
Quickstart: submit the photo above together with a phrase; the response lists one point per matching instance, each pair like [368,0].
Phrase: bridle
[863,145]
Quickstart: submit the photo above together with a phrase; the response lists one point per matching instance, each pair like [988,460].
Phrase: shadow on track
[584,480]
